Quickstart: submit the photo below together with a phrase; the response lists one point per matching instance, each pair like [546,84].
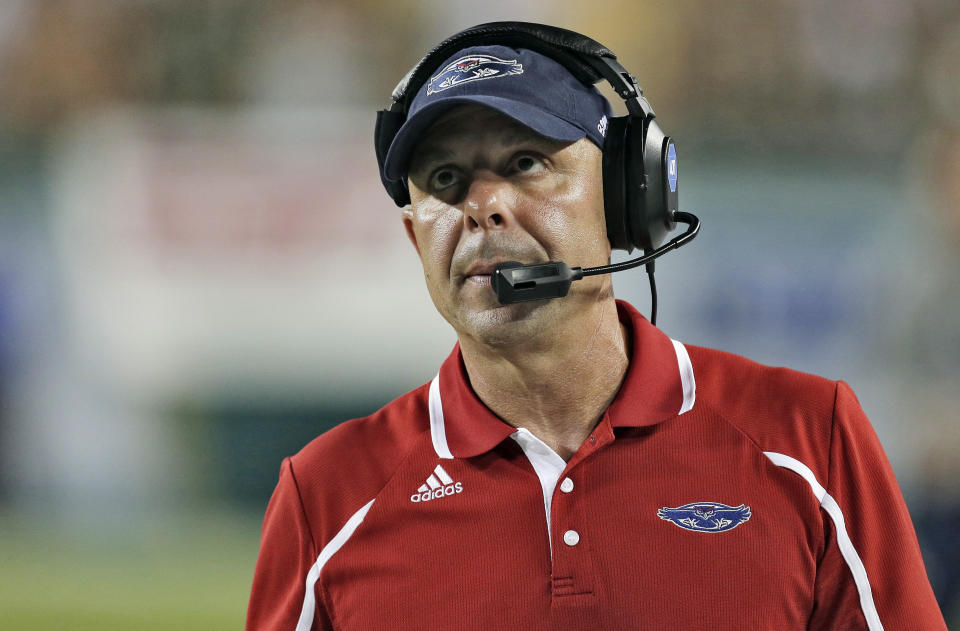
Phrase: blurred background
[199,270]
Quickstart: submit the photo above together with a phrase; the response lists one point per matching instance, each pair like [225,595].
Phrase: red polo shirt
[714,493]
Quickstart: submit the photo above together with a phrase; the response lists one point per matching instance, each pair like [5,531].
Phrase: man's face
[485,189]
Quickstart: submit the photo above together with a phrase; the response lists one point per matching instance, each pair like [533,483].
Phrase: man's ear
[408,224]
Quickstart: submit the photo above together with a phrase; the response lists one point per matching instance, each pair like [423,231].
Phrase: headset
[640,188]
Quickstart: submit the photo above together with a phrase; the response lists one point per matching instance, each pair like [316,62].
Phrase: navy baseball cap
[530,88]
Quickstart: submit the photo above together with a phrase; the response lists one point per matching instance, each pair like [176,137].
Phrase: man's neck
[560,390]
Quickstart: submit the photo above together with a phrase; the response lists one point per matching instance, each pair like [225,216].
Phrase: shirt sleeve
[287,552]
[871,575]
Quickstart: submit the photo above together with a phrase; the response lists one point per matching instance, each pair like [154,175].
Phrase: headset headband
[588,60]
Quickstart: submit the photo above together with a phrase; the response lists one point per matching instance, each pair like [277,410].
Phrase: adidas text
[426,496]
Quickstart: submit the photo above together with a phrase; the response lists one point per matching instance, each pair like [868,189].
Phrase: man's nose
[488,203]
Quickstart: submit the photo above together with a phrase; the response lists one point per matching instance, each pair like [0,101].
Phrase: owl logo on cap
[472,68]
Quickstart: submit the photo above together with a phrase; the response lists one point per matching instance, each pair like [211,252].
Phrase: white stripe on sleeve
[847,550]
[309,603]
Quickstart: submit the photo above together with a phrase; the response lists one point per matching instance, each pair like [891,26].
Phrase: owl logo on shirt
[706,516]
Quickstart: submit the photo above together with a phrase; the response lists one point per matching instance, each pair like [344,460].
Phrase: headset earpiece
[388,124]
[637,198]
[615,182]
[650,201]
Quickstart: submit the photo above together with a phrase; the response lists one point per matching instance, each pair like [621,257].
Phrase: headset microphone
[515,282]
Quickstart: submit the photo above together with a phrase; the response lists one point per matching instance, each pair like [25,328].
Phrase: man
[571,467]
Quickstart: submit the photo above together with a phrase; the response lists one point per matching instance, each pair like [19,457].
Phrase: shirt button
[567,485]
[571,537]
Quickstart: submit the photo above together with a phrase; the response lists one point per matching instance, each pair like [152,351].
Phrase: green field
[183,573]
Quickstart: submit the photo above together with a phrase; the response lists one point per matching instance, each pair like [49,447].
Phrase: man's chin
[496,324]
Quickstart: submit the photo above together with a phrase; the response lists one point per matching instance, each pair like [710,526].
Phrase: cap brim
[544,123]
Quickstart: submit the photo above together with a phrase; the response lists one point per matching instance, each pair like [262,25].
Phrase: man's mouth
[478,279]
[479,273]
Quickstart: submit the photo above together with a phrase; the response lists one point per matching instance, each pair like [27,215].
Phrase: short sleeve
[871,575]
[287,552]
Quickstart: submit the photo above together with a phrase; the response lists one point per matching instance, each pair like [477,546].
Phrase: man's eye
[527,163]
[442,179]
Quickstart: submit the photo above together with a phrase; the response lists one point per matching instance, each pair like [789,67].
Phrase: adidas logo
[437,485]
